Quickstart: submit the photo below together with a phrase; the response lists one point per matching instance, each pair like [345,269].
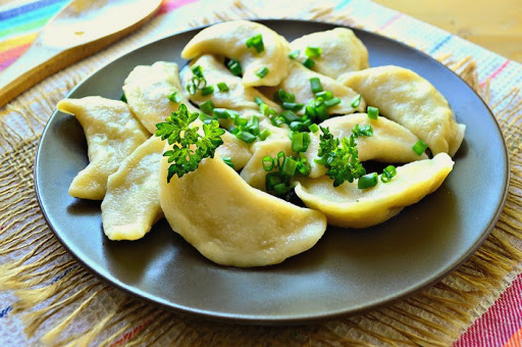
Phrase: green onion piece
[283,96]
[262,72]
[268,163]
[315,84]
[223,87]
[300,142]
[292,106]
[240,121]
[245,136]
[289,167]
[205,118]
[419,147]
[235,67]
[264,134]
[278,121]
[321,111]
[229,162]
[208,90]
[207,107]
[272,179]
[175,97]
[314,128]
[253,126]
[259,101]
[303,166]
[362,130]
[313,52]
[256,42]
[298,126]
[281,188]
[123,97]
[367,181]
[294,54]
[222,113]
[325,94]
[289,116]
[280,158]
[388,173]
[197,71]
[332,102]
[310,111]
[309,63]
[373,112]
[356,101]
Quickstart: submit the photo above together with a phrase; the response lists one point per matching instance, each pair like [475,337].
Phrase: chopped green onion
[292,106]
[362,130]
[373,112]
[175,97]
[278,121]
[280,158]
[300,142]
[325,94]
[419,147]
[309,63]
[332,102]
[205,118]
[229,162]
[259,101]
[314,128]
[264,134]
[123,97]
[223,87]
[289,116]
[245,136]
[367,181]
[197,71]
[289,167]
[256,42]
[388,173]
[208,90]
[303,166]
[283,96]
[262,72]
[281,188]
[235,67]
[207,107]
[313,52]
[298,126]
[268,163]
[356,101]
[294,54]
[321,111]
[315,84]
[222,113]
[240,121]
[253,126]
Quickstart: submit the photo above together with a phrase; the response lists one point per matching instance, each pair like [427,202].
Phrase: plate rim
[254,319]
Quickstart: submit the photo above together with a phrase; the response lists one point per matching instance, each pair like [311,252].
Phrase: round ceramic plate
[347,271]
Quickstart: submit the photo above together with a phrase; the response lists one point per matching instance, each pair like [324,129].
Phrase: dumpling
[350,207]
[253,172]
[342,51]
[131,205]
[234,149]
[230,222]
[230,39]
[410,100]
[298,83]
[147,89]
[390,142]
[238,97]
[112,134]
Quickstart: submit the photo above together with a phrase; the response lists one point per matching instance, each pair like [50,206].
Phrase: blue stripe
[41,13]
[342,4]
[29,7]
[5,311]
[441,43]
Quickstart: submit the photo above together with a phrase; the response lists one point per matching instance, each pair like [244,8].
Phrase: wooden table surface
[495,25]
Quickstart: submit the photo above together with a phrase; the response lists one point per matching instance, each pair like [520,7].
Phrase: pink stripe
[496,72]
[8,57]
[391,21]
[168,6]
[500,322]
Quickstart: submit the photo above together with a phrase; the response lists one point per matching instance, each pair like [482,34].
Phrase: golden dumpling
[410,100]
[351,207]
[237,151]
[112,134]
[131,205]
[390,142]
[229,39]
[231,223]
[342,51]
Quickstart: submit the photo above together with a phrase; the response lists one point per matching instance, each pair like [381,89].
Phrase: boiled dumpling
[238,97]
[390,142]
[342,51]
[350,207]
[230,39]
[410,100]
[230,222]
[237,151]
[112,134]
[298,83]
[147,89]
[131,205]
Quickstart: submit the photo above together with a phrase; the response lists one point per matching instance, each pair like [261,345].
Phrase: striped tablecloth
[501,324]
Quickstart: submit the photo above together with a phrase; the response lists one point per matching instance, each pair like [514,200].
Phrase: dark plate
[347,271]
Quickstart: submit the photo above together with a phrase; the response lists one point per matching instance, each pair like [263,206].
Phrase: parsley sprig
[189,147]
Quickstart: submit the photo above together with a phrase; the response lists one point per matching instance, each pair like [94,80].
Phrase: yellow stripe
[17,41]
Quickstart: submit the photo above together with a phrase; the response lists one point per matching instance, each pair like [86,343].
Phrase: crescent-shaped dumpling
[238,97]
[229,39]
[410,100]
[112,134]
[342,51]
[234,149]
[298,83]
[253,172]
[131,205]
[390,142]
[230,222]
[350,207]
[147,89]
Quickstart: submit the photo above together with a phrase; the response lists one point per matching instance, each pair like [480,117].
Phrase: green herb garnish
[229,162]
[262,72]
[235,67]
[309,63]
[175,97]
[223,87]
[367,181]
[294,54]
[313,52]
[373,112]
[256,42]
[388,173]
[356,101]
[419,147]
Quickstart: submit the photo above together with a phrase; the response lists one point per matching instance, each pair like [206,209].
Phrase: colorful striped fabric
[501,325]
